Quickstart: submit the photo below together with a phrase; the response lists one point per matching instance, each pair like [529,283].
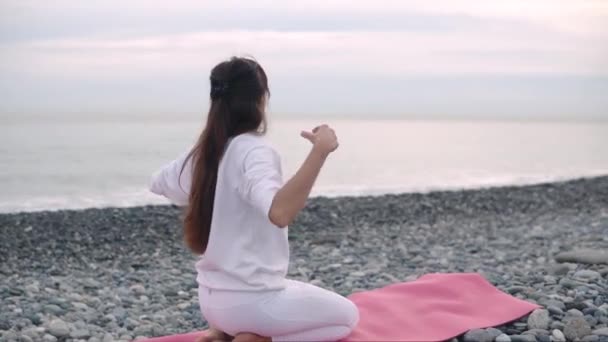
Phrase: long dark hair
[239,91]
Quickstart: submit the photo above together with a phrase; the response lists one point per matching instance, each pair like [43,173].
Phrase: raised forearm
[291,198]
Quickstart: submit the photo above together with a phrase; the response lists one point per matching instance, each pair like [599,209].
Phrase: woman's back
[246,251]
[238,210]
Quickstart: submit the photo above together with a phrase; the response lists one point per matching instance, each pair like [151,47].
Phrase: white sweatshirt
[246,251]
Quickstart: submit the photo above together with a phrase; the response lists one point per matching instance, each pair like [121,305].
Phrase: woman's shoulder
[248,147]
[245,142]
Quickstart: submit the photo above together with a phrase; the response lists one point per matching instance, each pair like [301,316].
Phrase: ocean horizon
[76,163]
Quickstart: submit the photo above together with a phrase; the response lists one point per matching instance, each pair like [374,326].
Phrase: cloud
[370,53]
[92,49]
[33,19]
[135,38]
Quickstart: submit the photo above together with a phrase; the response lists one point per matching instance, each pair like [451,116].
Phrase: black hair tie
[218,88]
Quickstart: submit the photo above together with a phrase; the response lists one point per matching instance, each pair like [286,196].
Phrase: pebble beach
[121,274]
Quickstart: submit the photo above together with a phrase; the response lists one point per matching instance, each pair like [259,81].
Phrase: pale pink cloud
[380,53]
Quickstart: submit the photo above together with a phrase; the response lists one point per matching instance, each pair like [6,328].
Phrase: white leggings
[300,312]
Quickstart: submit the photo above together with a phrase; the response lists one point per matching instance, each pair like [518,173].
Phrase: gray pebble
[131,323]
[555,303]
[576,328]
[59,302]
[493,332]
[520,326]
[516,289]
[91,283]
[558,336]
[58,328]
[575,313]
[559,269]
[107,337]
[138,289]
[587,275]
[33,288]
[32,332]
[477,335]
[570,283]
[536,332]
[583,256]
[502,338]
[54,309]
[539,319]
[80,306]
[80,334]
[24,338]
[49,338]
[119,314]
[591,320]
[145,330]
[523,338]
[554,310]
[75,297]
[5,324]
[9,335]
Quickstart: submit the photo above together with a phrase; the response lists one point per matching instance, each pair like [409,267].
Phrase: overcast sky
[451,58]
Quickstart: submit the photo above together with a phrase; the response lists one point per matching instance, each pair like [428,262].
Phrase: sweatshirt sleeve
[167,181]
[261,178]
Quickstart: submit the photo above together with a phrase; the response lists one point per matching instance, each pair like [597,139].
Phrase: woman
[238,210]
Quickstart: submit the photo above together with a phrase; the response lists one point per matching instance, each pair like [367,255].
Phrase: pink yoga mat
[432,308]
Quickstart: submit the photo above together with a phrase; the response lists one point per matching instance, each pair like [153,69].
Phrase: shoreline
[103,274]
[377,193]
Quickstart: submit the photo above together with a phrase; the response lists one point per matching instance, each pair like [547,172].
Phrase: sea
[53,163]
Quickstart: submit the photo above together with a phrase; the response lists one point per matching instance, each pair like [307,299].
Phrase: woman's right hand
[323,139]
[292,196]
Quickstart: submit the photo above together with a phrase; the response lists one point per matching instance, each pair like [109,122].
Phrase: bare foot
[214,335]
[250,337]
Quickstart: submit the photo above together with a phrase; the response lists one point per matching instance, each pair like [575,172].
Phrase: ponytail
[238,91]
